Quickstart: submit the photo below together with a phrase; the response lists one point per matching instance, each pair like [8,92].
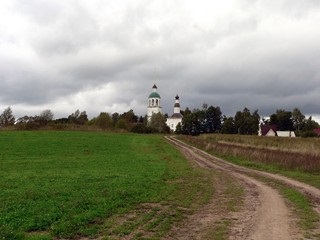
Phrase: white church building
[176,117]
[154,106]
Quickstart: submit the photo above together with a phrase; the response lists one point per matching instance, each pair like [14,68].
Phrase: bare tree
[46,115]
[44,118]
[78,117]
[7,118]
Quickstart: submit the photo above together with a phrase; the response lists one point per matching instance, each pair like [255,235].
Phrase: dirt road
[265,214]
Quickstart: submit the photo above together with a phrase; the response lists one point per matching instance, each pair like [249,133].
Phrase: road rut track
[265,214]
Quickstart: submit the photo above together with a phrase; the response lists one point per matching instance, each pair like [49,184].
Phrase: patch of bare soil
[264,214]
[139,223]
[243,219]
[200,224]
[272,219]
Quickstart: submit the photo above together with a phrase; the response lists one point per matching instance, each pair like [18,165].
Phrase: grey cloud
[298,8]
[235,60]
[40,12]
[32,89]
[70,28]
[290,8]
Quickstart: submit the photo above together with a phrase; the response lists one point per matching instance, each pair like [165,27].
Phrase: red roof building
[268,130]
[317,131]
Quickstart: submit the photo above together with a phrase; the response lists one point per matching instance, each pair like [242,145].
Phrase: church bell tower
[153,103]
[176,117]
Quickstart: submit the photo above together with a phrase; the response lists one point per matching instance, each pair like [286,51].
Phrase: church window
[152,102]
[157,102]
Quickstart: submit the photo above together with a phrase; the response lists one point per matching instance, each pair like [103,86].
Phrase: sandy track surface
[264,214]
[272,218]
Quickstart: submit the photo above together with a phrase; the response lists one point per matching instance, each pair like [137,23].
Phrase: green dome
[154,95]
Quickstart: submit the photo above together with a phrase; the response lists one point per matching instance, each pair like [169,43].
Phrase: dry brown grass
[301,145]
[288,153]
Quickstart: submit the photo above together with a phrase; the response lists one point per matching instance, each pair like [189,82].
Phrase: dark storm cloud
[34,89]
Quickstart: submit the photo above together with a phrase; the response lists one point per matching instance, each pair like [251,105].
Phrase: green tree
[122,124]
[178,129]
[214,117]
[83,118]
[201,118]
[247,123]
[115,118]
[129,117]
[78,117]
[7,118]
[298,119]
[103,121]
[206,120]
[228,126]
[186,112]
[190,123]
[142,128]
[255,120]
[283,120]
[158,122]
[310,124]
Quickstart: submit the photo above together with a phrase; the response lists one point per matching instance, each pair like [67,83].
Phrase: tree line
[76,120]
[210,120]
[207,119]
[293,121]
[245,122]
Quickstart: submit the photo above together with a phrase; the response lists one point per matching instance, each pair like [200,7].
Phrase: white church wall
[173,123]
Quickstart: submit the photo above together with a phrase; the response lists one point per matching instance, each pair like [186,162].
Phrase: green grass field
[73,184]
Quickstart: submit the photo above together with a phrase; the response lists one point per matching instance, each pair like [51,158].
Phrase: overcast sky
[105,55]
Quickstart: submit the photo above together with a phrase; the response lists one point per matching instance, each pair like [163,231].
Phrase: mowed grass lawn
[70,184]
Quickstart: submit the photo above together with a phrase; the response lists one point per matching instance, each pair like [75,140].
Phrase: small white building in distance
[176,117]
[153,103]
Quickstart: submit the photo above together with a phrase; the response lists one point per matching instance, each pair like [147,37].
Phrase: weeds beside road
[293,157]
